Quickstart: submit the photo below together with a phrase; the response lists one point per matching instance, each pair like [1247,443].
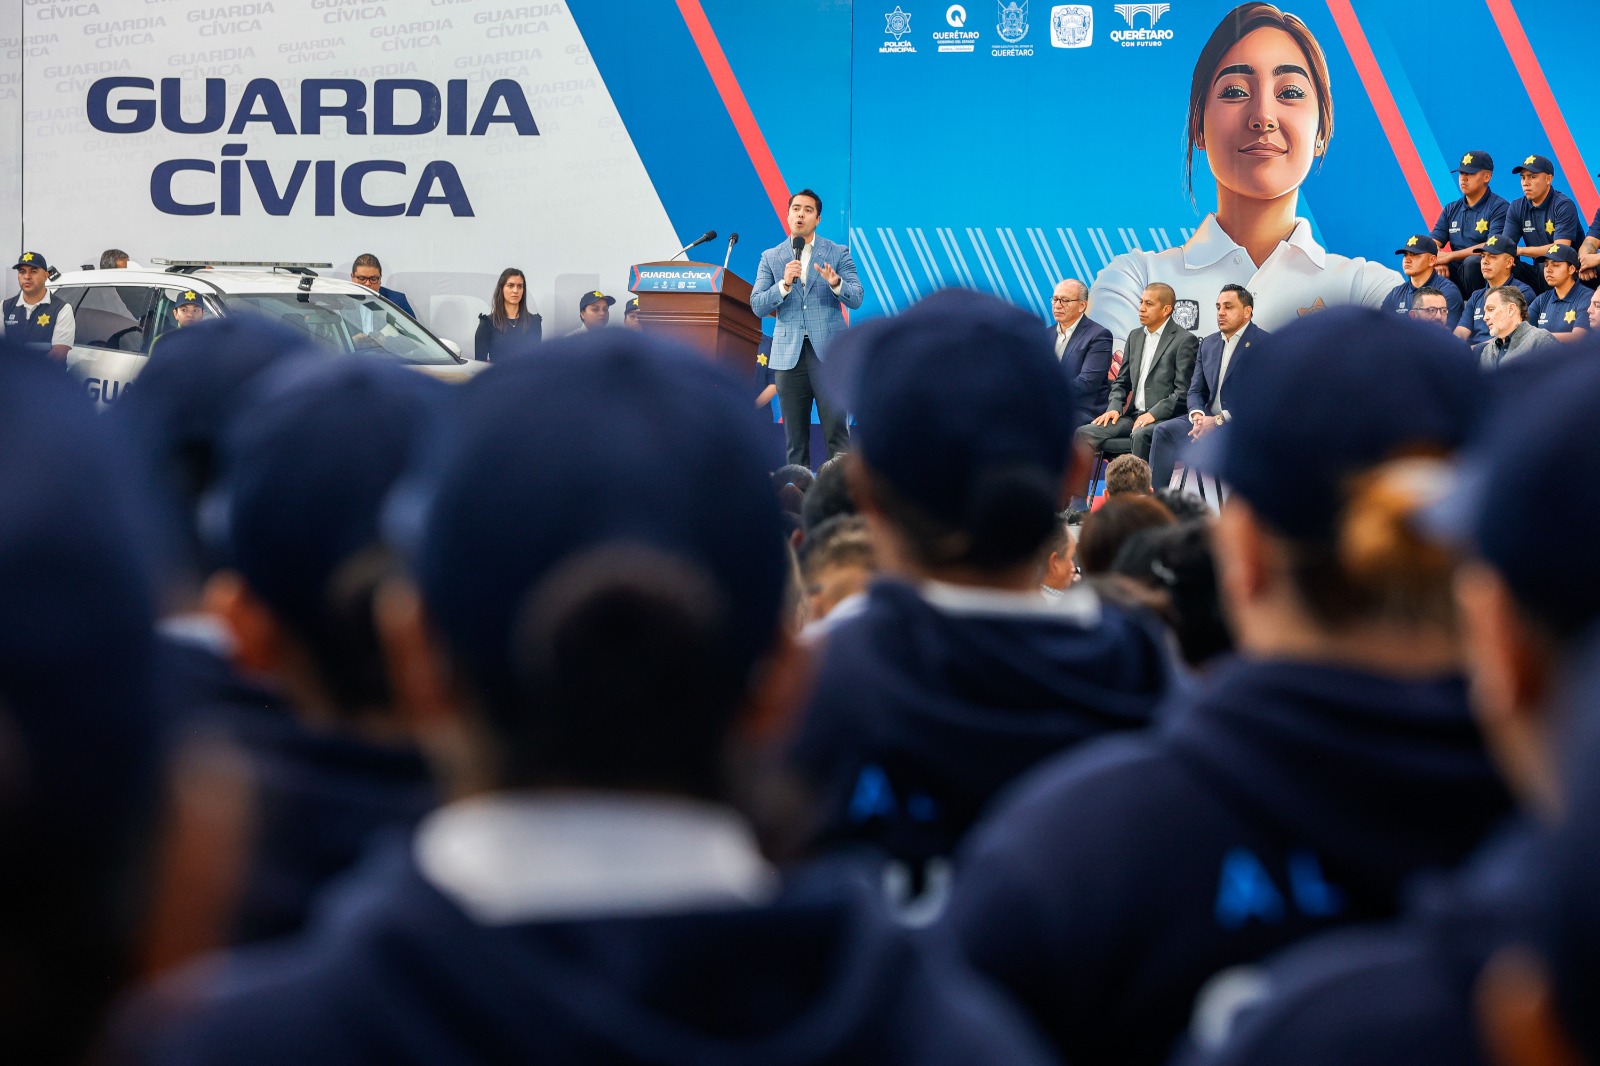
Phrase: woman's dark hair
[1176,561]
[1106,530]
[1010,511]
[1235,26]
[1184,505]
[497,305]
[828,496]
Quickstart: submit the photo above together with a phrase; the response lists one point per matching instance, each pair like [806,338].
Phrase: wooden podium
[702,305]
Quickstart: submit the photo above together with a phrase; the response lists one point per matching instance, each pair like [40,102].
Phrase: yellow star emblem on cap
[188,295]
[1483,225]
[44,319]
[27,257]
[1529,161]
[1552,249]
[597,293]
[1570,317]
[1466,160]
[1411,243]
[1550,227]
[1492,240]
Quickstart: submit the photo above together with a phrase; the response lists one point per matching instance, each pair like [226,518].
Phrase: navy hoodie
[1393,994]
[920,715]
[1286,799]
[393,973]
[319,795]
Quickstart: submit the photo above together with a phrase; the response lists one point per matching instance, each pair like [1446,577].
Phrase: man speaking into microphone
[806,282]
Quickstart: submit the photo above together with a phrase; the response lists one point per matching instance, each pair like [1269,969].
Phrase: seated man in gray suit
[1220,356]
[806,282]
[1153,384]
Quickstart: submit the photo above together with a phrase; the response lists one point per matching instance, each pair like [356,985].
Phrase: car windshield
[347,322]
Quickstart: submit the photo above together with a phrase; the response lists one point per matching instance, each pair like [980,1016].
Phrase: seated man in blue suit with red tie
[1083,346]
[806,282]
[1219,357]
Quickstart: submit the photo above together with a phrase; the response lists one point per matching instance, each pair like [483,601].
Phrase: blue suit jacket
[811,309]
[1208,366]
[398,298]
[1086,362]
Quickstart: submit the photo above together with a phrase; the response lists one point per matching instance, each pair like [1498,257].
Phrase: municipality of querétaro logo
[1013,21]
[1071,25]
[897,23]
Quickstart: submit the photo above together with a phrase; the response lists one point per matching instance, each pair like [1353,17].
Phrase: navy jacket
[1087,362]
[919,716]
[1395,994]
[398,298]
[1285,799]
[394,973]
[1208,365]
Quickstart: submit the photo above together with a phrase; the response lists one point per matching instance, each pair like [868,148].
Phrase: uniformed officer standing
[1465,224]
[35,317]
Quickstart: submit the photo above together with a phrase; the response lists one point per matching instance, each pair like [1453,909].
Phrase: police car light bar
[189,266]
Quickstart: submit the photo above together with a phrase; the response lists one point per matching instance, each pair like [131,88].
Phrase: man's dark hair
[1512,295]
[1108,529]
[840,541]
[1127,474]
[1240,291]
[109,257]
[1060,536]
[807,192]
[1428,290]
[366,259]
[829,495]
[1176,562]
[1183,505]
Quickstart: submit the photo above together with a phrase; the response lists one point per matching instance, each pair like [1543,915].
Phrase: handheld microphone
[708,235]
[733,239]
[799,245]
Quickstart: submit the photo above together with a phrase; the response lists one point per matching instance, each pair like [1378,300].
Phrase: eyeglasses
[1431,312]
[366,278]
[1066,300]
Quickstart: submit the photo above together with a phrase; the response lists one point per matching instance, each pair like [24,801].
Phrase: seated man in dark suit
[1083,346]
[1153,384]
[1219,356]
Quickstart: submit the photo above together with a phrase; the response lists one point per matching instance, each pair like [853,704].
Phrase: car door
[112,343]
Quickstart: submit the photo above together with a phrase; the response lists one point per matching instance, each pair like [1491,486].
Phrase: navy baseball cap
[631,307]
[593,298]
[186,298]
[1517,499]
[31,259]
[1419,244]
[1322,403]
[1495,246]
[1562,253]
[613,440]
[955,397]
[1534,164]
[1473,162]
[305,469]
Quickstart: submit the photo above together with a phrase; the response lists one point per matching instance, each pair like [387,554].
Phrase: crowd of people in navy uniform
[348,716]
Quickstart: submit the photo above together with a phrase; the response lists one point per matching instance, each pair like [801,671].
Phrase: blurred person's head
[1058,567]
[828,497]
[1107,529]
[1176,561]
[839,562]
[1128,475]
[1184,505]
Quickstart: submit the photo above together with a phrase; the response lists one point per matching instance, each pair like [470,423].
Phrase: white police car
[122,315]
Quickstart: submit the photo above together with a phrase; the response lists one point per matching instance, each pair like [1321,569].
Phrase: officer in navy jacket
[806,283]
[1404,992]
[661,934]
[1306,783]
[957,675]
[34,318]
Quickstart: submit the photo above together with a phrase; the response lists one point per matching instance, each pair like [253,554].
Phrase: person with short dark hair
[113,259]
[1183,504]
[1543,215]
[1058,566]
[828,497]
[806,283]
[588,679]
[1418,256]
[1128,475]
[367,272]
[1315,773]
[34,318]
[957,676]
[1153,382]
[1495,262]
[1468,223]
[839,562]
[1563,308]
[512,327]
[1511,336]
[1109,527]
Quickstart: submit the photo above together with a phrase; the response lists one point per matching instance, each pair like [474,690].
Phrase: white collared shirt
[1298,276]
[1152,342]
[1064,338]
[1079,604]
[511,857]
[1228,345]
[805,270]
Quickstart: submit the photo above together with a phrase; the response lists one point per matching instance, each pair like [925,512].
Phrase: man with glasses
[1083,346]
[367,271]
[1428,304]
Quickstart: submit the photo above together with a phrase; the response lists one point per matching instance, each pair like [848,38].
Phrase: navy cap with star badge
[1495,246]
[1535,164]
[1419,244]
[1473,162]
[31,259]
[187,298]
[1562,253]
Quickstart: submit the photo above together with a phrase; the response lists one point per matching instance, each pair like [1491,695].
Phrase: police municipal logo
[1149,36]
[897,24]
[1012,28]
[1186,313]
[1071,25]
[958,38]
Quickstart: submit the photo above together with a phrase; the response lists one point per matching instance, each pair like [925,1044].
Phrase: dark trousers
[796,390]
[1468,275]
[1167,445]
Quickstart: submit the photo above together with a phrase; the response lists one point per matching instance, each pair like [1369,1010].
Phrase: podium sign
[702,305]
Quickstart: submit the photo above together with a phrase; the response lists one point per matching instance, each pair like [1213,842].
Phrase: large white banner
[451,138]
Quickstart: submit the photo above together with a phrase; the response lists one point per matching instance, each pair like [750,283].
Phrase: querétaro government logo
[897,24]
[1012,28]
[958,38]
[1071,25]
[1149,37]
